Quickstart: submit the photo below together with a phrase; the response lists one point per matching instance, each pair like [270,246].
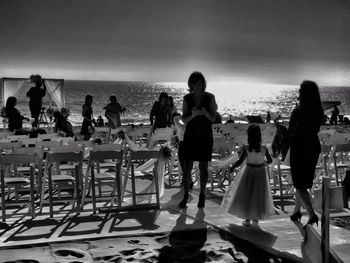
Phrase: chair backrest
[142,155]
[47,136]
[80,143]
[342,148]
[16,138]
[68,156]
[48,144]
[107,151]
[9,145]
[67,149]
[21,158]
[28,142]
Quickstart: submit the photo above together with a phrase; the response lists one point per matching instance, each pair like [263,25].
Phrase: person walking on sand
[198,114]
[305,148]
[249,196]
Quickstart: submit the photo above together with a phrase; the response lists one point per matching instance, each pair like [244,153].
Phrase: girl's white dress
[249,195]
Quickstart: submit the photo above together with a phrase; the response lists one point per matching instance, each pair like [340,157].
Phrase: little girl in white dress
[249,195]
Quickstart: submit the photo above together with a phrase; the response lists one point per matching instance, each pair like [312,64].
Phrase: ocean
[233,98]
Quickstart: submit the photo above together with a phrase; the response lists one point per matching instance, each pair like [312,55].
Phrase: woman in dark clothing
[199,112]
[15,119]
[36,95]
[160,116]
[88,119]
[63,126]
[305,147]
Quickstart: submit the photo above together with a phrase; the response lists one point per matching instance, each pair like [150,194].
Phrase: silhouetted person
[113,110]
[88,120]
[198,114]
[100,122]
[334,116]
[305,147]
[250,196]
[160,116]
[36,95]
[268,117]
[172,108]
[15,119]
[62,125]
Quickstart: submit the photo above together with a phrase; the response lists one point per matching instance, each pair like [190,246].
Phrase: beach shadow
[75,225]
[29,230]
[176,198]
[186,241]
[254,234]
[124,221]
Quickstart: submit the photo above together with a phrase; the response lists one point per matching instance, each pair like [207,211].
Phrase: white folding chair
[99,154]
[134,173]
[55,157]
[16,181]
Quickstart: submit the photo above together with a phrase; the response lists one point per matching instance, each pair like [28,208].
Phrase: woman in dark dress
[15,119]
[88,119]
[305,147]
[199,112]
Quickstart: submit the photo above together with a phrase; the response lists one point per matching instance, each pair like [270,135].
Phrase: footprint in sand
[130,252]
[113,258]
[23,261]
[136,242]
[67,253]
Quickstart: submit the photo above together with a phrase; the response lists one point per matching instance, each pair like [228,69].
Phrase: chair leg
[32,192]
[3,205]
[50,193]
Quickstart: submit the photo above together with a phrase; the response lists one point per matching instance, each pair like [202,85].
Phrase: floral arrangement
[166,151]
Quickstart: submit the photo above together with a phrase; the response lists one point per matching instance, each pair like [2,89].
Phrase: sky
[269,41]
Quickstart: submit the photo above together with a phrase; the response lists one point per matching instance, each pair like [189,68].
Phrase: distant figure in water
[268,117]
[198,114]
[15,119]
[88,121]
[334,117]
[36,95]
[62,125]
[113,110]
[160,116]
[305,147]
[249,196]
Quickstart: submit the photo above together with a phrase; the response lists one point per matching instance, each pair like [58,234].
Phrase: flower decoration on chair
[166,151]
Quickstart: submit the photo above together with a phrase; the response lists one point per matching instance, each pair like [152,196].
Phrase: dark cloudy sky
[279,41]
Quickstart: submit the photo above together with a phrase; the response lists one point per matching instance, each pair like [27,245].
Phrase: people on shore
[250,197]
[62,125]
[198,114]
[15,119]
[268,117]
[36,95]
[334,117]
[305,147]
[113,110]
[100,122]
[88,120]
[160,115]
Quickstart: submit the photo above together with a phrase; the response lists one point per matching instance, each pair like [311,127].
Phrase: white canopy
[14,86]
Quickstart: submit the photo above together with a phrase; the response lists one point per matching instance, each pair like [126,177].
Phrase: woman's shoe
[296,216]
[201,201]
[183,203]
[312,220]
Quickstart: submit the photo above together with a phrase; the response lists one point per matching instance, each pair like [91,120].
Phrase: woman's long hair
[310,103]
[254,138]
[88,100]
[10,103]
